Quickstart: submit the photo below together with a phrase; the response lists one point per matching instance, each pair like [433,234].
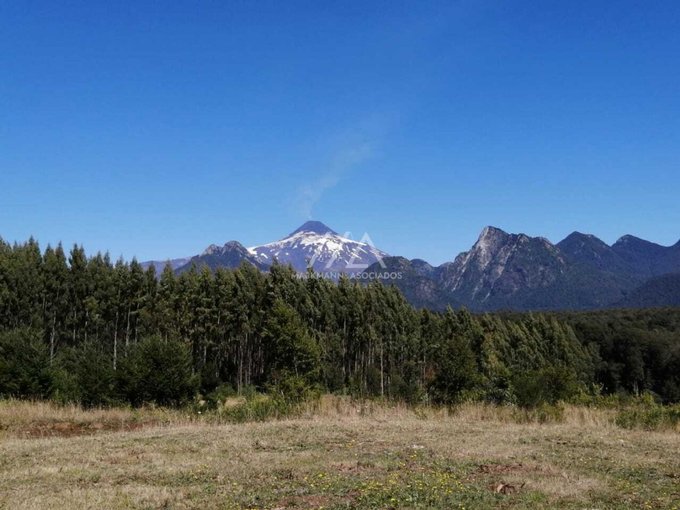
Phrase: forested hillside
[86,329]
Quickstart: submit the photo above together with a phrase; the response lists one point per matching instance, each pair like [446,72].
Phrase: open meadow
[338,454]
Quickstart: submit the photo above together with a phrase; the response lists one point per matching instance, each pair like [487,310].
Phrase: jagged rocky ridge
[518,272]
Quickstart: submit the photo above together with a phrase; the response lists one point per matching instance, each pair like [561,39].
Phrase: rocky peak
[490,235]
[489,242]
[211,250]
[233,245]
[229,246]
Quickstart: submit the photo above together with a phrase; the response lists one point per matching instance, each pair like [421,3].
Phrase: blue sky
[156,128]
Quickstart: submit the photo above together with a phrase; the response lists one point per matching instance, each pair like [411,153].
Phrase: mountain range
[313,245]
[500,271]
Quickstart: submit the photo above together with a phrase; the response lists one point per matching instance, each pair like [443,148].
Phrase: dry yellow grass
[340,454]
[45,419]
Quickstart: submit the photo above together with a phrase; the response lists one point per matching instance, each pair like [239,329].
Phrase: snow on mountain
[315,245]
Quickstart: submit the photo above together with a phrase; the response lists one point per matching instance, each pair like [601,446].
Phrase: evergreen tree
[290,347]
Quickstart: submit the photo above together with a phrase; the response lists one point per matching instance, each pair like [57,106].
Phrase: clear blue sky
[156,128]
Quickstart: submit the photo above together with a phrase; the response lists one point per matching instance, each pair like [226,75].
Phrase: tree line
[94,331]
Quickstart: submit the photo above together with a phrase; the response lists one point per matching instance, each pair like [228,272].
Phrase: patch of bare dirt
[71,429]
[494,469]
[506,488]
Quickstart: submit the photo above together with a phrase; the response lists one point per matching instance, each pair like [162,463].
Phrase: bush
[24,365]
[547,386]
[409,391]
[499,391]
[158,371]
[85,375]
[257,408]
[645,413]
[219,395]
[294,389]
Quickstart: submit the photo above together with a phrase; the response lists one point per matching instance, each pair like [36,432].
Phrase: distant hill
[417,281]
[230,256]
[648,259]
[657,292]
[159,265]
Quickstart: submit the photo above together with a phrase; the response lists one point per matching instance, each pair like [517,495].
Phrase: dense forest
[88,330]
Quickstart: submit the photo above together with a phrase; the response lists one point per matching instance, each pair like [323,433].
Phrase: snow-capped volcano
[315,245]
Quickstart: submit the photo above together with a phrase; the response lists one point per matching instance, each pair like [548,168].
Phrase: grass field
[339,455]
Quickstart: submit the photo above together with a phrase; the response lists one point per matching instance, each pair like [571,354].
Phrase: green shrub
[85,375]
[407,390]
[258,408]
[294,389]
[499,391]
[547,386]
[645,413]
[157,371]
[24,365]
[219,395]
